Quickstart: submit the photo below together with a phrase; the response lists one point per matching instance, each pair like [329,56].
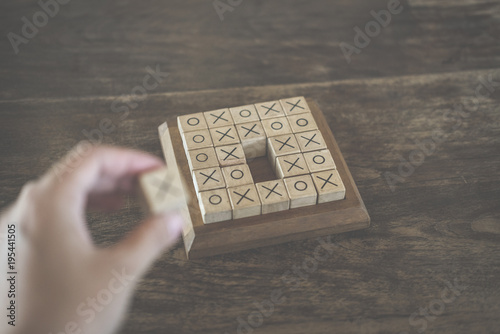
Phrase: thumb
[144,245]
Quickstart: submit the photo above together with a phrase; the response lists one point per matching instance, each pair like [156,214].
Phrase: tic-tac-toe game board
[257,175]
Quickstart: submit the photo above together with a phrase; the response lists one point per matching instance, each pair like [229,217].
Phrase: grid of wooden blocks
[219,143]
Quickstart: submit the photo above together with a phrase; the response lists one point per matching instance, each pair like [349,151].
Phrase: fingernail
[174,224]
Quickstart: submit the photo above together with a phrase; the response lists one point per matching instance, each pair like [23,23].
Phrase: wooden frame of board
[202,240]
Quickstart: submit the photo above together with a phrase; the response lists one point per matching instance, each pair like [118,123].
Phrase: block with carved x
[162,190]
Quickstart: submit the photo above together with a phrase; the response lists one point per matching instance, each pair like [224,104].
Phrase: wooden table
[436,221]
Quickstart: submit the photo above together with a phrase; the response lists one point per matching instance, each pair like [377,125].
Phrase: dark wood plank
[440,223]
[101,48]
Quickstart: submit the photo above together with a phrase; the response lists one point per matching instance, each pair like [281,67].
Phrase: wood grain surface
[438,224]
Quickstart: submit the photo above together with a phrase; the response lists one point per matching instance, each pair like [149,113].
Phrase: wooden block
[230,155]
[163,190]
[273,196]
[281,145]
[202,158]
[291,165]
[269,109]
[295,105]
[218,118]
[276,126]
[311,141]
[244,201]
[253,139]
[215,206]
[196,139]
[301,191]
[329,186]
[192,122]
[244,114]
[225,135]
[302,123]
[208,179]
[237,175]
[319,161]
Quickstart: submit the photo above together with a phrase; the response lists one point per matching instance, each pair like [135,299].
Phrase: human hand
[65,283]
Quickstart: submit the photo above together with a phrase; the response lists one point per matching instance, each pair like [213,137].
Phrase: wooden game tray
[202,240]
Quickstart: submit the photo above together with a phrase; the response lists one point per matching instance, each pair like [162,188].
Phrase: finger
[144,245]
[98,170]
